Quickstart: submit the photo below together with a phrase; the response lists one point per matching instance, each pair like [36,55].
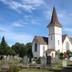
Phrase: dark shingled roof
[44,40]
[70,39]
[63,37]
[41,40]
[54,19]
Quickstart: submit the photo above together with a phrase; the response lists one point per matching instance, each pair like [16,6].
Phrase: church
[55,42]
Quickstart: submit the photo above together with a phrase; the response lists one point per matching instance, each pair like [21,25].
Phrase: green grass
[14,64]
[35,70]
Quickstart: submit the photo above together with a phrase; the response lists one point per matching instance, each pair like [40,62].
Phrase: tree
[29,50]
[3,47]
[11,52]
[19,49]
[23,50]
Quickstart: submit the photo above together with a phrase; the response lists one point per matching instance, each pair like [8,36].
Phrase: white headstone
[64,62]
[25,60]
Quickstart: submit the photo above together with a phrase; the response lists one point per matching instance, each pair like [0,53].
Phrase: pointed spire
[54,19]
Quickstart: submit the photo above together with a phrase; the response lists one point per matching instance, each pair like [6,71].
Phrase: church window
[67,46]
[51,37]
[58,42]
[43,48]
[35,47]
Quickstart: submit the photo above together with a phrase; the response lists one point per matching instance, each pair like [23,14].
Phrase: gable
[67,45]
[63,37]
[40,40]
[67,39]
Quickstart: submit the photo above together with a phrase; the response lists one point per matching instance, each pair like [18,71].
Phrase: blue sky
[21,20]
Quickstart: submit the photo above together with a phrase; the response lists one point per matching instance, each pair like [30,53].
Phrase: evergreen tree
[3,47]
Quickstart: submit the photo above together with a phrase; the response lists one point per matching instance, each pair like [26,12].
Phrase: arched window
[35,47]
[58,42]
[67,46]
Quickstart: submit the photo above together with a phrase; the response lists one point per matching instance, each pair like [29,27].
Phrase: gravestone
[64,62]
[33,61]
[8,58]
[57,60]
[48,60]
[25,60]
[43,61]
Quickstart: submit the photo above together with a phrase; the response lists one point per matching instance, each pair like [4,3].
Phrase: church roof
[63,37]
[70,39]
[41,40]
[44,40]
[54,19]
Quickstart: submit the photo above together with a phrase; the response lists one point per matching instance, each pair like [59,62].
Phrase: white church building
[55,41]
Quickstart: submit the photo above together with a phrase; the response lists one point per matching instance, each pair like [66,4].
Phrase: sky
[21,20]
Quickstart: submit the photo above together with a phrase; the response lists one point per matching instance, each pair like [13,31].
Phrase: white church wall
[55,38]
[40,50]
[51,30]
[64,45]
[51,42]
[43,49]
[58,42]
[58,38]
[58,30]
[51,38]
[36,53]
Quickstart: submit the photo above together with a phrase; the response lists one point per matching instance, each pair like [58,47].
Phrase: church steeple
[55,33]
[54,19]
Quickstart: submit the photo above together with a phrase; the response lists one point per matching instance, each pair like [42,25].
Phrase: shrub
[61,56]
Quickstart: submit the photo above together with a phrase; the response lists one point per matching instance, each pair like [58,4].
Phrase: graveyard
[38,36]
[17,64]
[19,58]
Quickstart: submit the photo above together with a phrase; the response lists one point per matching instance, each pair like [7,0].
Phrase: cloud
[23,4]
[64,17]
[12,37]
[12,4]
[48,13]
[2,30]
[16,37]
[18,24]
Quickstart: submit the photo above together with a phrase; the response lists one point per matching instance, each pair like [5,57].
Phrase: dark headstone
[48,60]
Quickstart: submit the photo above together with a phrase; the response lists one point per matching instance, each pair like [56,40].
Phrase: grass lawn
[35,70]
[16,67]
